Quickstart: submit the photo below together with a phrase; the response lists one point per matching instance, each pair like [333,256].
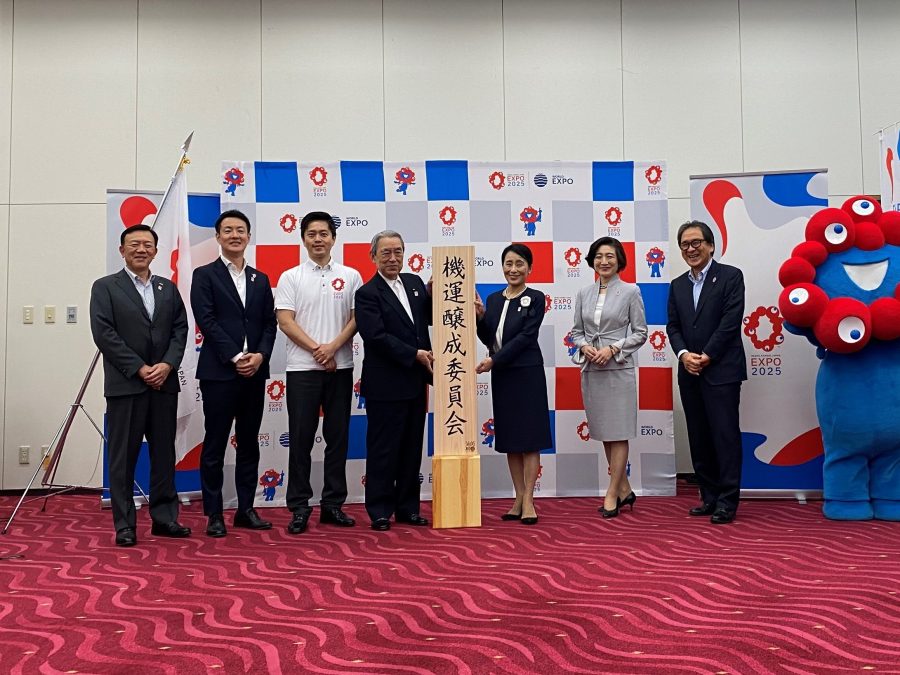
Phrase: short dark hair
[138,228]
[700,225]
[520,250]
[615,244]
[232,213]
[313,216]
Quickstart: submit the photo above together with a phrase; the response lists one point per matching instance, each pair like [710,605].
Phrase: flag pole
[51,457]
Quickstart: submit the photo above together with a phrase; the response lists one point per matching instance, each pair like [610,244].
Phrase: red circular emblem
[416,262]
[776,322]
[338,284]
[583,432]
[497,180]
[658,340]
[447,215]
[653,174]
[573,257]
[288,222]
[548,303]
[319,176]
[275,390]
[613,215]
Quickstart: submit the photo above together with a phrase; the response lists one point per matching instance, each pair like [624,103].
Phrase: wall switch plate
[24,454]
[49,313]
[28,314]
[71,314]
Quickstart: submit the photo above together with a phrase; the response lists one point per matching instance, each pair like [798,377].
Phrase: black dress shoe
[215,527]
[530,520]
[334,516]
[173,529]
[703,509]
[412,519]
[721,517]
[381,524]
[511,516]
[250,519]
[126,537]
[298,522]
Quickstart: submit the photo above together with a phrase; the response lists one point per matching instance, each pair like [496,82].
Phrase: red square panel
[568,389]
[542,269]
[357,256]
[655,388]
[274,260]
[629,274]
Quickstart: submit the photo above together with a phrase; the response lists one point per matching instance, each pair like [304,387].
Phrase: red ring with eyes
[845,326]
[802,304]
[862,208]
[832,228]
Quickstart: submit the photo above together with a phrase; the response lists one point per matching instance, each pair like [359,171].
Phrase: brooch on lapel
[714,279]
[159,287]
[253,277]
[525,301]
[416,293]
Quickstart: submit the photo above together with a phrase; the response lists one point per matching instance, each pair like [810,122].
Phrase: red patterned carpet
[653,591]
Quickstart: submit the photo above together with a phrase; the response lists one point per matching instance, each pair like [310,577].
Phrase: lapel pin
[416,293]
[253,277]
[714,279]
[159,287]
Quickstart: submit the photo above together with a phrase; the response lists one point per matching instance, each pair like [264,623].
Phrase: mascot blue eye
[798,296]
[863,207]
[835,233]
[851,329]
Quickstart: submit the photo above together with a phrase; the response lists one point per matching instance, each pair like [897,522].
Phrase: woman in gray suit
[609,327]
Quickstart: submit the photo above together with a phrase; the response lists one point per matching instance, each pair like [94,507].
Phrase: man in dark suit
[393,312]
[139,324]
[234,309]
[706,308]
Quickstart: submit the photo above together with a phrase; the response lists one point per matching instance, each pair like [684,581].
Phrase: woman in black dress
[508,324]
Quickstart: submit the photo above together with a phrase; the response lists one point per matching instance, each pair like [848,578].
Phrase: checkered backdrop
[556,208]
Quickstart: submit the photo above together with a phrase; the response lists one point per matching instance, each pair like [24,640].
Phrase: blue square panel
[204,209]
[613,181]
[656,299]
[276,182]
[356,441]
[447,180]
[362,181]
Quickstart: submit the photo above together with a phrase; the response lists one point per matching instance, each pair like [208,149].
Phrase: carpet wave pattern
[652,591]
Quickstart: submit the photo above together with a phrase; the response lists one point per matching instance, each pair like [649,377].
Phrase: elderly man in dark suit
[138,322]
[706,308]
[393,312]
[234,309]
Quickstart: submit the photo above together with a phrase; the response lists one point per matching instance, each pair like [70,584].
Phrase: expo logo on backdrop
[572,258]
[613,218]
[318,176]
[764,328]
[447,216]
[653,176]
[275,391]
[658,342]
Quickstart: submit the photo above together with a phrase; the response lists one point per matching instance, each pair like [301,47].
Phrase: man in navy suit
[234,309]
[139,324]
[393,312]
[706,309]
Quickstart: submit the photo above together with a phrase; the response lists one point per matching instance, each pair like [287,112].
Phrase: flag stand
[50,459]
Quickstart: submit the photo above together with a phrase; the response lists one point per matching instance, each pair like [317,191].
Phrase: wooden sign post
[456,466]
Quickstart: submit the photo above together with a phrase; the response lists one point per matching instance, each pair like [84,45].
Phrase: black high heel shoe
[609,513]
[629,500]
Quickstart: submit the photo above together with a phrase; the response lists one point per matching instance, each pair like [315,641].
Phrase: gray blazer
[128,339]
[622,323]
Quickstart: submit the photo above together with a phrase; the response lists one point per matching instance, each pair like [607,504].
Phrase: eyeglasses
[693,243]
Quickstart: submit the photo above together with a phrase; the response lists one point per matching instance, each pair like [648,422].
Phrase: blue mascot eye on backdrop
[842,292]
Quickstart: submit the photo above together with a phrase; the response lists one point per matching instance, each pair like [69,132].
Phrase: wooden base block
[456,490]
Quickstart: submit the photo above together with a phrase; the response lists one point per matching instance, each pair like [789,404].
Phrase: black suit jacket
[714,328]
[520,330]
[224,321]
[128,339]
[390,371]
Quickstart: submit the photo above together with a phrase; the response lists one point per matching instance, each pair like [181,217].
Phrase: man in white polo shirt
[314,304]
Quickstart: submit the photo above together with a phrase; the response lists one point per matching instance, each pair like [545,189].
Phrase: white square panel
[443,90]
[563,79]
[73,100]
[682,97]
[800,89]
[322,79]
[198,70]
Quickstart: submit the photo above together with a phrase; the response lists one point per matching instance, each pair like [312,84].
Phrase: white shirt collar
[702,276]
[231,267]
[391,282]
[134,277]
[315,266]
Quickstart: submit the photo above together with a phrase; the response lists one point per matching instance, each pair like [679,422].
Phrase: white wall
[100,93]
